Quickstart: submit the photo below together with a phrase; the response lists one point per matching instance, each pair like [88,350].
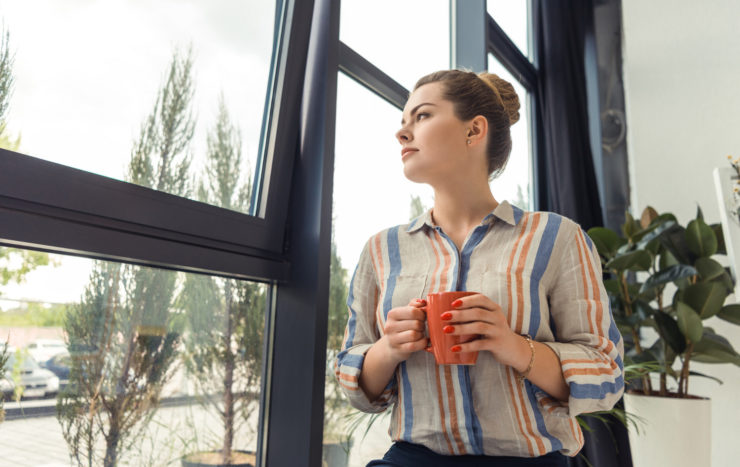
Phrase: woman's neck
[459,209]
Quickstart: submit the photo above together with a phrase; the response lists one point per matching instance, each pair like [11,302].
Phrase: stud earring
[468,141]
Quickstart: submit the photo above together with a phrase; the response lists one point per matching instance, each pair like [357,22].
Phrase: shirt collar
[504,211]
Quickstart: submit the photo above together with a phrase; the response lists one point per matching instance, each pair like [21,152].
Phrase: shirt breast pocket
[400,290]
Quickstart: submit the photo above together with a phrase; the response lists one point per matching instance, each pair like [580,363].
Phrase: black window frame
[53,207]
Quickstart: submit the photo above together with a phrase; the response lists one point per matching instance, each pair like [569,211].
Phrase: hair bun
[505,91]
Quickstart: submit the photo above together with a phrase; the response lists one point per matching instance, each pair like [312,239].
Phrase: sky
[87,73]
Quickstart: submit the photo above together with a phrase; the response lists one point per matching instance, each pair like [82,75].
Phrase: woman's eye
[421,115]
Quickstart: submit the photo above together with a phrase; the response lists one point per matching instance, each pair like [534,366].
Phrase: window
[513,17]
[147,107]
[169,362]
[404,39]
[515,183]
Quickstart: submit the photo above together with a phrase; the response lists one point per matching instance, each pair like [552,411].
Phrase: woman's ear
[477,130]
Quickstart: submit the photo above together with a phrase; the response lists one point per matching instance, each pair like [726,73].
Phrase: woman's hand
[403,335]
[404,330]
[478,314]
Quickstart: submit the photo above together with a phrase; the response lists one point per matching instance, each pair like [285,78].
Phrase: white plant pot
[675,432]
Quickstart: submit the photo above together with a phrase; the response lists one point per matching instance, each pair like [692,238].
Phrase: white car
[43,349]
[36,381]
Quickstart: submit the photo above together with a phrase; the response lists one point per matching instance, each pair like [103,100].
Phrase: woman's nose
[403,136]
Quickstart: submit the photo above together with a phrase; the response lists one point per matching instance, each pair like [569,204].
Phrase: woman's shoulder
[400,229]
[562,223]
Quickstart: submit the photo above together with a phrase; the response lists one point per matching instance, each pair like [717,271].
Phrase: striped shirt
[545,273]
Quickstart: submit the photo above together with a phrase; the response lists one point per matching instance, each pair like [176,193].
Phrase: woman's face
[433,140]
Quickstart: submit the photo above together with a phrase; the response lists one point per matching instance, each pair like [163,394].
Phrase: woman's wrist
[524,353]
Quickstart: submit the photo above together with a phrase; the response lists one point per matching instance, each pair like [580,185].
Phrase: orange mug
[440,343]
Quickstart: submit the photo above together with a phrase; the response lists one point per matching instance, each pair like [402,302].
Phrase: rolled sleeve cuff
[595,380]
[348,367]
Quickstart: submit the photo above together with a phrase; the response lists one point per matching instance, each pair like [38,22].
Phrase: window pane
[173,360]
[370,193]
[159,105]
[515,184]
[513,17]
[405,39]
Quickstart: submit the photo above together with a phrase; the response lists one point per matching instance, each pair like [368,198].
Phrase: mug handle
[428,348]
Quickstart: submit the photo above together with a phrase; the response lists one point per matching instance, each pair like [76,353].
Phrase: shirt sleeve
[588,344]
[360,334]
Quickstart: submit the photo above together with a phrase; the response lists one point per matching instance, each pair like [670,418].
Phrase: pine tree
[121,337]
[225,316]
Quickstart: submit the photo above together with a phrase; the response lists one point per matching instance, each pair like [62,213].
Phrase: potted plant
[665,281]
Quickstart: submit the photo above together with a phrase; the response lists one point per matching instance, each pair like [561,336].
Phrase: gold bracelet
[522,376]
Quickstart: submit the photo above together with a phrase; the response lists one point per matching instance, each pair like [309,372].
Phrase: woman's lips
[406,151]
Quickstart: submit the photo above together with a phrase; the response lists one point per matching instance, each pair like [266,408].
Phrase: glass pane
[132,365]
[515,184]
[367,157]
[513,17]
[161,105]
[405,39]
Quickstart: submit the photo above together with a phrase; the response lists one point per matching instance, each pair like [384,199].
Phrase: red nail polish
[423,302]
[446,316]
[456,303]
[448,329]
[455,348]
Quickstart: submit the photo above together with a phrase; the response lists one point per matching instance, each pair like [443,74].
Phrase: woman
[537,275]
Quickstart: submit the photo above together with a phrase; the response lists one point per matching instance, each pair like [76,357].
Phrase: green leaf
[689,322]
[721,247]
[708,269]
[715,349]
[612,286]
[667,260]
[630,226]
[674,240]
[670,332]
[606,240]
[706,298]
[638,260]
[730,313]
[696,373]
[671,274]
[699,214]
[700,238]
[664,217]
[651,233]
[727,281]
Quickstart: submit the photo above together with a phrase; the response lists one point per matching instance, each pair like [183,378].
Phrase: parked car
[59,365]
[36,381]
[43,349]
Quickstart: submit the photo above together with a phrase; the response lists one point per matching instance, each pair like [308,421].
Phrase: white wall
[682,91]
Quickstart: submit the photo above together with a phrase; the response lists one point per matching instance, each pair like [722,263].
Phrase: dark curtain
[566,176]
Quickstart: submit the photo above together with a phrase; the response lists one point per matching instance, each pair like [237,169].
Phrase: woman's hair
[482,94]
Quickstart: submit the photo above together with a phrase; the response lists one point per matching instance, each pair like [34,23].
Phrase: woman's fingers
[474,314]
[406,313]
[476,327]
[406,336]
[476,301]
